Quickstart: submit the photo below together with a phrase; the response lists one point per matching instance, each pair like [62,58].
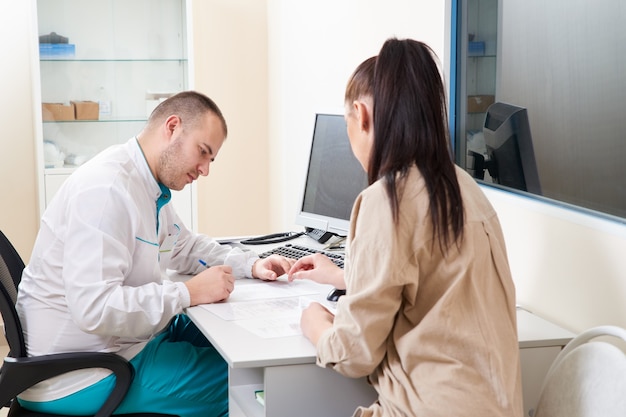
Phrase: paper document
[272,289]
[270,309]
[245,310]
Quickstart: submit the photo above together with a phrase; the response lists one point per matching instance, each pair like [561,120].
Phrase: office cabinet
[104,65]
[476,71]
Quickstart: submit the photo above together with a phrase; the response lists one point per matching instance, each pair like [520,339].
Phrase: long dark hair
[411,128]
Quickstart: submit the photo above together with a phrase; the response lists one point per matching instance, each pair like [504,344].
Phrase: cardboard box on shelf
[86,110]
[479,103]
[57,111]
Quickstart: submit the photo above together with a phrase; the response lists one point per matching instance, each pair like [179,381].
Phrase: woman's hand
[318,268]
[314,321]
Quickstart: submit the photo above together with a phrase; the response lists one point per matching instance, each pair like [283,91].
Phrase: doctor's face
[190,152]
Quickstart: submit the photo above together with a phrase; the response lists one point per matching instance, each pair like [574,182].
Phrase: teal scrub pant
[178,372]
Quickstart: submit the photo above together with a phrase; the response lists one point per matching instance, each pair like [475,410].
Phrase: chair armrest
[19,374]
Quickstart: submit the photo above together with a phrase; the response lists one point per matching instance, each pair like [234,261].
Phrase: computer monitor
[333,181]
[510,156]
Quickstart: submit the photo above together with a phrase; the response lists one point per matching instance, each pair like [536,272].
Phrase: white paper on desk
[246,310]
[267,299]
[331,306]
[270,309]
[272,289]
[273,327]
[286,324]
[278,317]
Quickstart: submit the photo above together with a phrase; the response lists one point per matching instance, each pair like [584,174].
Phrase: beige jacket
[436,335]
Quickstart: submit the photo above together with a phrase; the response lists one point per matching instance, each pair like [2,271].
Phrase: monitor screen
[510,155]
[334,178]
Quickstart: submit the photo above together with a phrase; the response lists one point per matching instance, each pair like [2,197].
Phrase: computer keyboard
[296,252]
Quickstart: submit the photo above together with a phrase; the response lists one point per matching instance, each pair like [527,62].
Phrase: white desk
[283,367]
[294,386]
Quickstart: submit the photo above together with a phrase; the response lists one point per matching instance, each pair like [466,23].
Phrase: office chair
[19,372]
[588,377]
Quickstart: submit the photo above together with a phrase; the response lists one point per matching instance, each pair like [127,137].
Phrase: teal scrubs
[178,372]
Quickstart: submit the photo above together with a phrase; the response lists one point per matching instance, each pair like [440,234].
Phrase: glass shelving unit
[120,56]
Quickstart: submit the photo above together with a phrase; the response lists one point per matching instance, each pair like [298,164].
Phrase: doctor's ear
[171,123]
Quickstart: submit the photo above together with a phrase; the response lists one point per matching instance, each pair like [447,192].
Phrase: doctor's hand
[270,268]
[318,268]
[211,285]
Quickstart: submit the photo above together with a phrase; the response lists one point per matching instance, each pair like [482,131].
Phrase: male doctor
[96,279]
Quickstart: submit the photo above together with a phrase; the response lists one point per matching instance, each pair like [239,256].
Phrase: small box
[57,50]
[480,103]
[86,110]
[57,111]
[153,99]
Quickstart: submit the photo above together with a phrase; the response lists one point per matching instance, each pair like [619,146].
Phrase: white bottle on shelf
[104,105]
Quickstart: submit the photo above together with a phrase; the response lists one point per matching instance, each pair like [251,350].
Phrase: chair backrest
[588,377]
[11,267]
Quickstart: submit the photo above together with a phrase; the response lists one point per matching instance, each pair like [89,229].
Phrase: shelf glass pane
[112,60]
[127,60]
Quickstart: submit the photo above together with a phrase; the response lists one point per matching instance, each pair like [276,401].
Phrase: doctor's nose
[203,169]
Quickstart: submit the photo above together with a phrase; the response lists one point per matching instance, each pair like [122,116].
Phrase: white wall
[568,266]
[313,48]
[230,65]
[19,209]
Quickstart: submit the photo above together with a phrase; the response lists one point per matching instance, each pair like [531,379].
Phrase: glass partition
[563,62]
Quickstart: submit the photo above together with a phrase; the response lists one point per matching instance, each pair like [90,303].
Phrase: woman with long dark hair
[429,314]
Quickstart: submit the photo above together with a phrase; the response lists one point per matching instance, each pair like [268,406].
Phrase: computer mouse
[335,294]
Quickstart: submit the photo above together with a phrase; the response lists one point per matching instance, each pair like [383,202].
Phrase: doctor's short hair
[189,106]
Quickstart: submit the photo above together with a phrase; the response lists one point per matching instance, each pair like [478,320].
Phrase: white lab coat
[97,277]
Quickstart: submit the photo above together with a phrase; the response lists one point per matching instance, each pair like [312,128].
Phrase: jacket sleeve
[357,342]
[191,247]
